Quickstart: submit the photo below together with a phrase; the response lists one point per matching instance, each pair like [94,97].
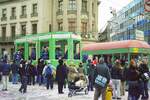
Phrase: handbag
[101,81]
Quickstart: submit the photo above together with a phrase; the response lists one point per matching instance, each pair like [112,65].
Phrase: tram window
[76,49]
[61,50]
[32,51]
[45,50]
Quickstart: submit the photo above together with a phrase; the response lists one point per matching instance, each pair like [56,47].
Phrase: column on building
[54,10]
[79,4]
[65,17]
[90,16]
[96,16]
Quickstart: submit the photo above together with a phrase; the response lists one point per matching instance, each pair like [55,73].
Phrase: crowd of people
[121,75]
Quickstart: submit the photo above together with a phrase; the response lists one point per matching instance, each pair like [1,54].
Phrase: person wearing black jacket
[116,75]
[133,81]
[14,69]
[40,68]
[143,69]
[23,76]
[61,75]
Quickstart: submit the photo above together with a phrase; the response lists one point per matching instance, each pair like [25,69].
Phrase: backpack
[48,71]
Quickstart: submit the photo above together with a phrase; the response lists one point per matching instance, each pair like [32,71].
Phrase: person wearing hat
[48,74]
[61,75]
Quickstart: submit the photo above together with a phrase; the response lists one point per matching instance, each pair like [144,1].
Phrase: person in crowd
[61,75]
[116,75]
[144,70]
[14,69]
[133,81]
[33,73]
[80,68]
[90,72]
[66,80]
[17,56]
[23,76]
[5,74]
[123,68]
[48,73]
[40,68]
[102,78]
[1,66]
[28,71]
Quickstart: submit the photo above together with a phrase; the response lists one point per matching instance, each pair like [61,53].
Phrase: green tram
[66,44]
[127,50]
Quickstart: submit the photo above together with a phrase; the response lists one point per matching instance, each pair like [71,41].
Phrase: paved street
[40,93]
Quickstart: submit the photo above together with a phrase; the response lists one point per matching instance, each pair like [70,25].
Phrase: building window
[72,27]
[34,9]
[34,28]
[60,4]
[84,5]
[13,31]
[72,5]
[24,12]
[23,29]
[13,12]
[60,26]
[84,27]
[4,33]
[4,12]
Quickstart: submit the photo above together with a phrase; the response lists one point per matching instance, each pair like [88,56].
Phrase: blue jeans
[49,82]
[40,79]
[14,78]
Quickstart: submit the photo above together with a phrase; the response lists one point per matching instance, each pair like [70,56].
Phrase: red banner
[147,5]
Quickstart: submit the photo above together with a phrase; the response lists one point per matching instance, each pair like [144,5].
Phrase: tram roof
[45,36]
[114,46]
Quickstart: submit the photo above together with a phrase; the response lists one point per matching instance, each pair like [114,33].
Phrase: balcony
[23,16]
[71,11]
[10,38]
[59,12]
[12,17]
[3,18]
[34,14]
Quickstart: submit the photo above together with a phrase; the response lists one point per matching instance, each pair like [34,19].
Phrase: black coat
[22,70]
[61,73]
[40,68]
[116,73]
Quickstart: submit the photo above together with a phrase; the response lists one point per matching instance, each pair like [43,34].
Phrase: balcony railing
[23,16]
[34,14]
[3,18]
[59,12]
[71,11]
[10,38]
[12,17]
